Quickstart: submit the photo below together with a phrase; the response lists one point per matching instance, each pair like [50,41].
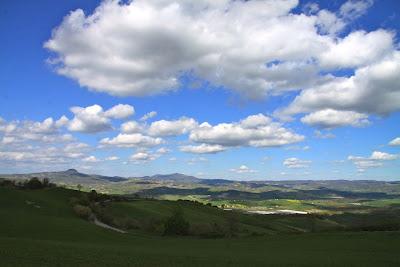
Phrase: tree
[232,223]
[176,224]
[34,183]
[46,182]
[79,186]
[93,196]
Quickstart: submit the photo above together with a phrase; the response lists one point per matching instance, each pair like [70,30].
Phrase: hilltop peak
[72,171]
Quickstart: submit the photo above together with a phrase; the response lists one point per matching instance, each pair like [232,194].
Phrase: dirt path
[106,226]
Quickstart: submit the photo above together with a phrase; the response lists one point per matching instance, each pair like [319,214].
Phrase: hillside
[322,197]
[38,228]
[73,177]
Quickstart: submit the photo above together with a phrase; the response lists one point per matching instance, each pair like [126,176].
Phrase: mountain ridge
[73,176]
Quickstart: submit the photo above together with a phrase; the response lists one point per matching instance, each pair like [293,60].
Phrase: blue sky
[316,80]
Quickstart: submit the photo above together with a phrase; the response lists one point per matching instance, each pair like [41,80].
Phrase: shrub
[153,226]
[232,224]
[93,196]
[176,224]
[81,200]
[126,223]
[82,211]
[5,182]
[132,223]
[35,183]
[220,229]
[206,230]
[46,182]
[74,200]
[79,186]
[102,214]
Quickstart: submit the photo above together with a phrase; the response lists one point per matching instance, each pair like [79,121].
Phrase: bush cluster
[83,212]
[90,205]
[5,182]
[33,183]
[176,224]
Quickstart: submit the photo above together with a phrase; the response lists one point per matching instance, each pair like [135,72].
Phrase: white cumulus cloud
[257,131]
[93,119]
[202,149]
[295,163]
[353,9]
[373,89]
[243,169]
[131,127]
[142,47]
[120,111]
[330,118]
[395,142]
[376,159]
[172,128]
[112,158]
[131,140]
[91,159]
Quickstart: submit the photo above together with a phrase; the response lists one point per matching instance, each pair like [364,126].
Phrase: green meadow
[39,228]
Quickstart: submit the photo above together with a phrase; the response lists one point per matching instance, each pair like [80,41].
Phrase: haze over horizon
[244,90]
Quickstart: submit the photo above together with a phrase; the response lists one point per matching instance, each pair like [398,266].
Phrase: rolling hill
[39,228]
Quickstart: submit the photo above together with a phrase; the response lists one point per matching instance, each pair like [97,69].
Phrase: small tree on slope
[176,224]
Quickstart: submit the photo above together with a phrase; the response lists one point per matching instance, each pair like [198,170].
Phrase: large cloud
[256,130]
[143,47]
[357,49]
[373,89]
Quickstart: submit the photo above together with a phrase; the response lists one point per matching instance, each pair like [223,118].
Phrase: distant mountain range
[174,177]
[73,177]
[70,176]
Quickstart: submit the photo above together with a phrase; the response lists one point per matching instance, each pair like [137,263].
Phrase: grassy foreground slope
[39,228]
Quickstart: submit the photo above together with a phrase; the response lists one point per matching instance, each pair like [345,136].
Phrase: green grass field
[39,228]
